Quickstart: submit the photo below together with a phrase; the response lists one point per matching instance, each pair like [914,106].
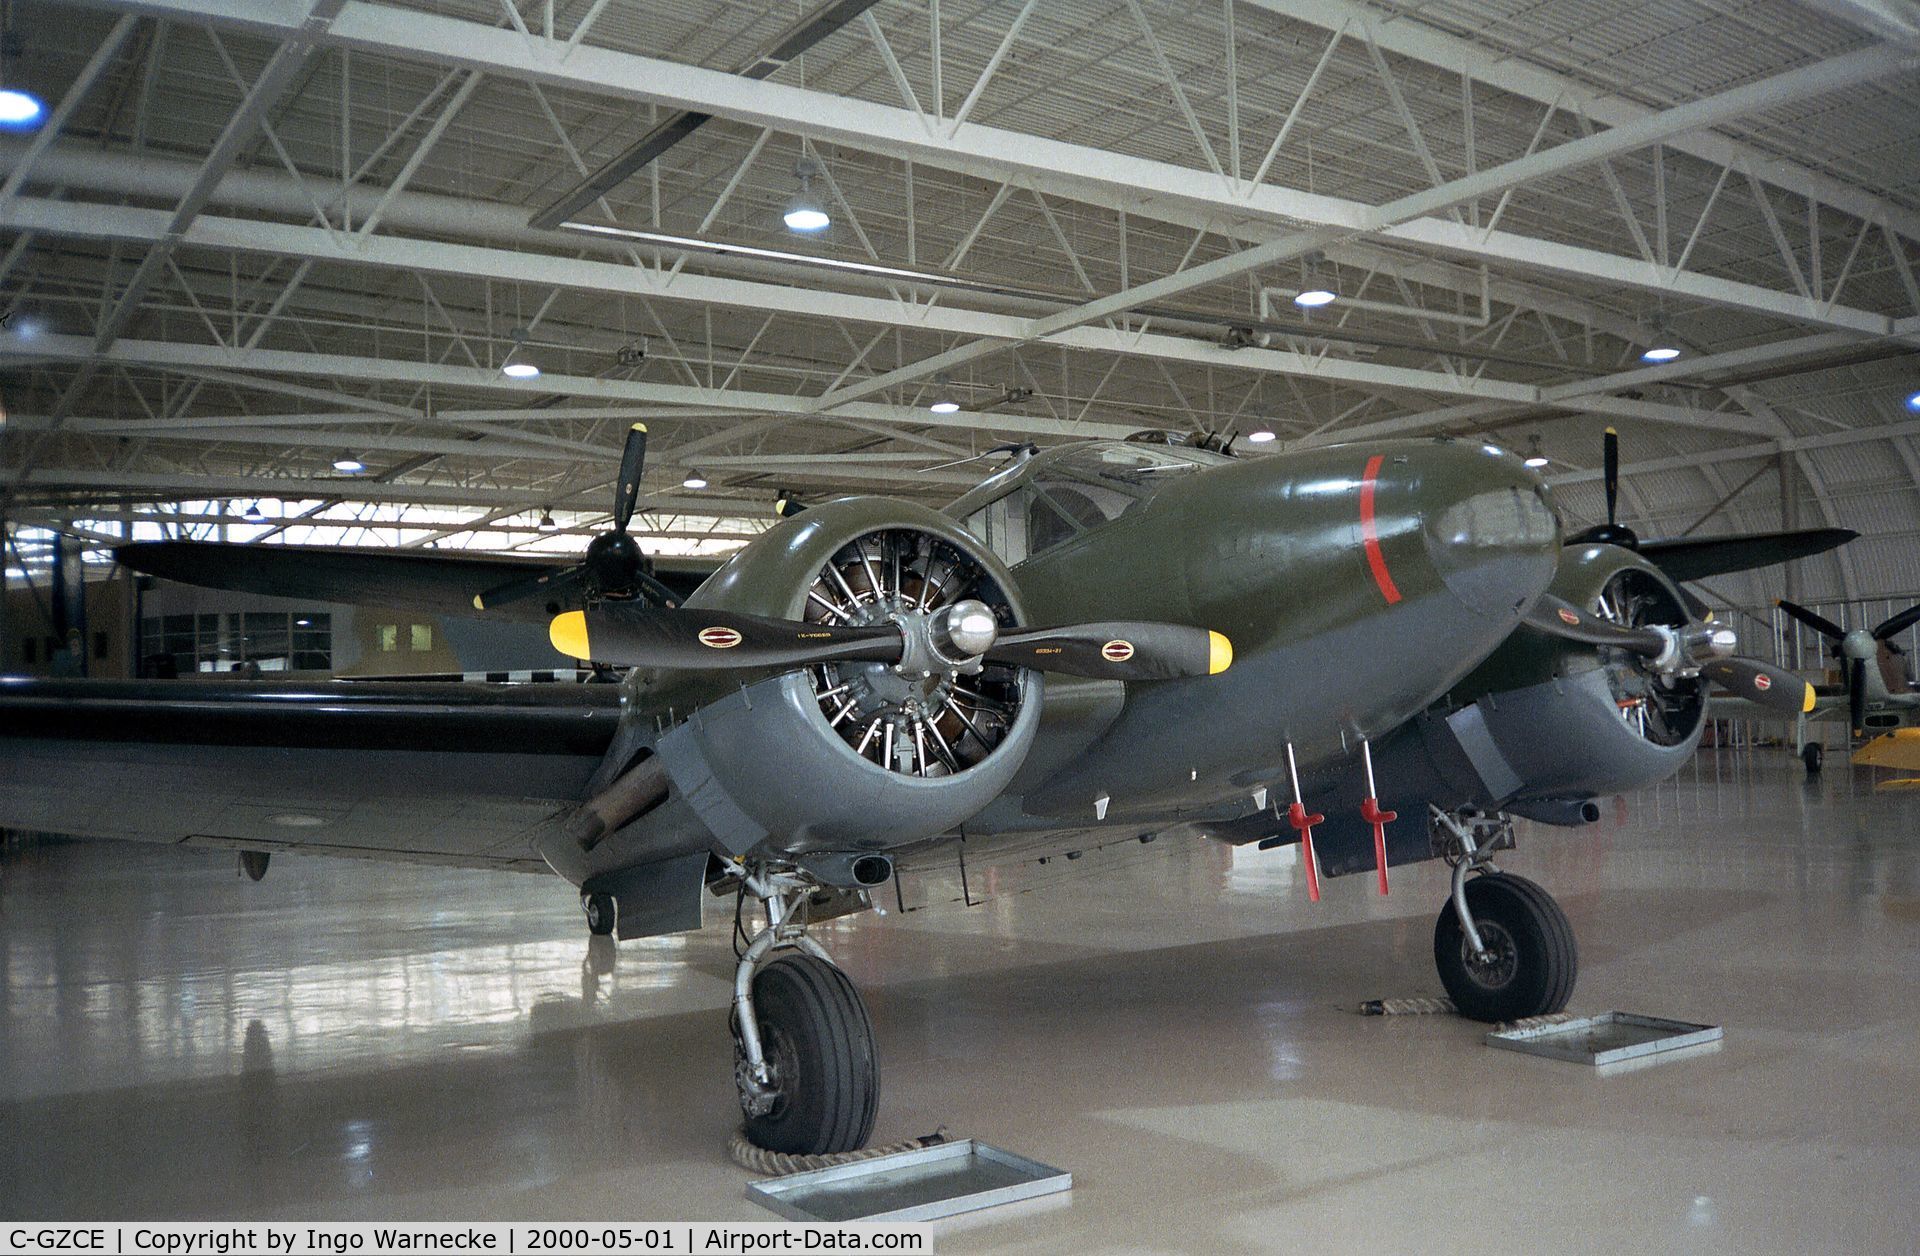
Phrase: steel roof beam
[1407,36]
[1140,186]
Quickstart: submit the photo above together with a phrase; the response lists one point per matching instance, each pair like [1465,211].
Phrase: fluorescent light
[944,407]
[347,464]
[1660,353]
[520,370]
[746,250]
[694,480]
[1260,437]
[20,111]
[1537,461]
[1313,297]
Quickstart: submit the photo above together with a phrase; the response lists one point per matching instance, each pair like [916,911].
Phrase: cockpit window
[1062,493]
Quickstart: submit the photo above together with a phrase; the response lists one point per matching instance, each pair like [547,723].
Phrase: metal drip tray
[1608,1038]
[918,1185]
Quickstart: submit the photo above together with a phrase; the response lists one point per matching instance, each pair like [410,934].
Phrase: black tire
[601,911]
[1535,960]
[1813,754]
[817,1038]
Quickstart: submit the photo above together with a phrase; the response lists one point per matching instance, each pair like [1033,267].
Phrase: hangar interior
[404,274]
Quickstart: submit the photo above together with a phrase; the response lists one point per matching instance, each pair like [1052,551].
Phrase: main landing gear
[1503,947]
[804,1060]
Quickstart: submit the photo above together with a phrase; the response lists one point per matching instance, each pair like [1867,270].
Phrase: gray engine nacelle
[855,756]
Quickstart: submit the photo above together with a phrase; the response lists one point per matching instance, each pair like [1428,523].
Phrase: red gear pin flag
[1370,812]
[1303,820]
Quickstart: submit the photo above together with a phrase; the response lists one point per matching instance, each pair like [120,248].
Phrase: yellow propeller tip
[1806,703]
[1613,431]
[639,427]
[1219,653]
[568,633]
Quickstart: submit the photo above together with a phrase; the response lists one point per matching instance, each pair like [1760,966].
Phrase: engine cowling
[859,755]
[1574,721]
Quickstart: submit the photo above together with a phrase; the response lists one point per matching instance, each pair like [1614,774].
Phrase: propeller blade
[563,583]
[1561,618]
[1819,623]
[1898,623]
[1696,558]
[1117,651]
[1610,459]
[1762,683]
[1857,697]
[633,464]
[639,636]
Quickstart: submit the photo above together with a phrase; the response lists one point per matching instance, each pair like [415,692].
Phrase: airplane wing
[1696,558]
[440,773]
[430,582]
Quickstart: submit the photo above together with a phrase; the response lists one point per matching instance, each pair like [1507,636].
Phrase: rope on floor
[780,1163]
[1540,1022]
[1406,1007]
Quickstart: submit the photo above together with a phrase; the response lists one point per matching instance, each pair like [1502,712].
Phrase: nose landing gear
[804,1059]
[1504,948]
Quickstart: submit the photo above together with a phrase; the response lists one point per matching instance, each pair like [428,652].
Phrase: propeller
[1611,532]
[614,564]
[1894,625]
[1819,623]
[1697,646]
[954,638]
[1696,558]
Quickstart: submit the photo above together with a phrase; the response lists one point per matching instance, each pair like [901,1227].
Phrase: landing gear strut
[1504,948]
[804,1060]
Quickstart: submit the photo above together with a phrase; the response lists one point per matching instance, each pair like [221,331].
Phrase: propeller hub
[616,560]
[963,632]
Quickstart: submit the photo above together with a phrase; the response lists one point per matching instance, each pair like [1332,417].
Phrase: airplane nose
[1489,527]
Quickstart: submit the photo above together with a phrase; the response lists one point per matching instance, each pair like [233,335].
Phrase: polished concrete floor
[1170,1022]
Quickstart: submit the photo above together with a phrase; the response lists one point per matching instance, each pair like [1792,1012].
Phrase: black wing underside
[456,774]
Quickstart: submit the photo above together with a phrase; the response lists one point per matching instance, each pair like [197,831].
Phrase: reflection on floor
[1169,1022]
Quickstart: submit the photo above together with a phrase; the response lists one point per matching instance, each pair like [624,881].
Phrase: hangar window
[389,638]
[273,641]
[421,637]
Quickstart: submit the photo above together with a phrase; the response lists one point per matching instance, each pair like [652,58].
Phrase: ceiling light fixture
[943,396]
[347,464]
[1259,436]
[1535,458]
[519,363]
[1660,342]
[546,523]
[804,211]
[253,513]
[20,109]
[1913,401]
[1315,290]
[693,479]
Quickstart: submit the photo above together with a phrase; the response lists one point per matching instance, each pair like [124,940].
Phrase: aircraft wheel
[1813,754]
[600,911]
[818,1042]
[1531,957]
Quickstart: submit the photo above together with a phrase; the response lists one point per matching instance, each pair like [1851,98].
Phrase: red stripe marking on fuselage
[1370,534]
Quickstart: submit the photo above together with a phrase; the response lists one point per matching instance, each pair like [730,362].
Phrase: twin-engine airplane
[1380,651]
